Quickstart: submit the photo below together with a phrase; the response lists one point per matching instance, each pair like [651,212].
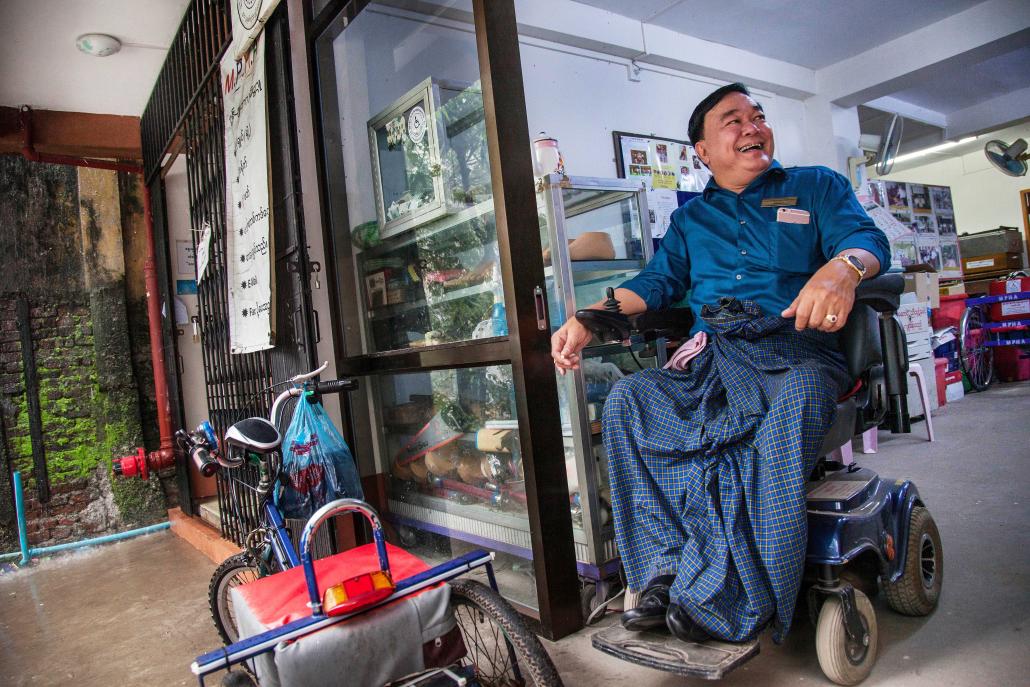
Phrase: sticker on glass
[417,124]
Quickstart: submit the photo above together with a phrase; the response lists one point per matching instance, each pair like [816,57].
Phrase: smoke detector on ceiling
[98,44]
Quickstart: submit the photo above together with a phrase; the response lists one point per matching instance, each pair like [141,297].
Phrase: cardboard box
[926,287]
[996,262]
[954,289]
[985,243]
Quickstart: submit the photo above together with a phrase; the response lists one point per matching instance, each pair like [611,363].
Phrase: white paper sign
[248,21]
[661,203]
[248,240]
[184,258]
[203,250]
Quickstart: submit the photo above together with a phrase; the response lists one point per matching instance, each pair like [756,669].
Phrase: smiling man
[708,465]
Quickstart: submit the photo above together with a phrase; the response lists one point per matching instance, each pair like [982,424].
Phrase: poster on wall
[919,221]
[664,165]
[248,213]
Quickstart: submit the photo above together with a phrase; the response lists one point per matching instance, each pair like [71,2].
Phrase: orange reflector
[357,592]
[890,547]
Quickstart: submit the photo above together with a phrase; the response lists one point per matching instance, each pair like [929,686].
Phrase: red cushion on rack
[282,598]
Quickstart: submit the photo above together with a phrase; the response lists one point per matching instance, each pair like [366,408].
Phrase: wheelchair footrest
[710,660]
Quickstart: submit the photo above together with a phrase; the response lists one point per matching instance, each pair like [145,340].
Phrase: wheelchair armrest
[674,323]
[610,326]
[607,326]
[881,293]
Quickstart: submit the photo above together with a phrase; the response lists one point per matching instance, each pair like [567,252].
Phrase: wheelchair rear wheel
[918,589]
[501,649]
[976,356]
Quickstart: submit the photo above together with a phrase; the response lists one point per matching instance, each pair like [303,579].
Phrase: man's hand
[567,342]
[826,300]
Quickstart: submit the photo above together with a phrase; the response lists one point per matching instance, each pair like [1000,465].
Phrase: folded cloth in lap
[686,351]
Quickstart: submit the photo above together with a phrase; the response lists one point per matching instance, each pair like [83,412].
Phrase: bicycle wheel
[976,356]
[233,571]
[501,649]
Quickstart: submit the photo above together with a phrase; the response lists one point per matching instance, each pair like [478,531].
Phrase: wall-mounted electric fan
[1010,159]
[889,144]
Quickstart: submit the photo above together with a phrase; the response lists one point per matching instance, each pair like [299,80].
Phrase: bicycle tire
[975,356]
[234,570]
[502,650]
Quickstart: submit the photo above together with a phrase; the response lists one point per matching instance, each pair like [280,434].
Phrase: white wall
[581,100]
[984,198]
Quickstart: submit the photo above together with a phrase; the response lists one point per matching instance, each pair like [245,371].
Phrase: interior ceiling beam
[986,30]
[590,28]
[996,113]
[909,111]
[78,134]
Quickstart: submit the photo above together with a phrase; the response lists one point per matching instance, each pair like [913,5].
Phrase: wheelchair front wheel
[844,661]
[501,649]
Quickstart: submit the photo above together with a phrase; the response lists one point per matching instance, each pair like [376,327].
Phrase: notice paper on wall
[661,203]
[248,214]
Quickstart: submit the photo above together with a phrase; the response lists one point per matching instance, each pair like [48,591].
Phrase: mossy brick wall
[51,223]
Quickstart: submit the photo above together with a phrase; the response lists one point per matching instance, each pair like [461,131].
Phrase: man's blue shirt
[723,244]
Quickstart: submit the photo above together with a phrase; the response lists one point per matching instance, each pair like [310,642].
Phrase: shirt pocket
[794,247]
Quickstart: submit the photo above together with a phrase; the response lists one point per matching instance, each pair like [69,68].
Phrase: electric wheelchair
[864,532]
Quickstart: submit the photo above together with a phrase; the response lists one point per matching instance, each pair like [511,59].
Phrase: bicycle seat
[254,434]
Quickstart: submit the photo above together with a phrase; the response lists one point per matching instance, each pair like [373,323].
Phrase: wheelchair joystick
[611,304]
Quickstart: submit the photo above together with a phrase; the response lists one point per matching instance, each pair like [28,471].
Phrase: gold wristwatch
[854,263]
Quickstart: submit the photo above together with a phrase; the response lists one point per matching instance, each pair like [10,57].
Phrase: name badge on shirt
[792,216]
[779,202]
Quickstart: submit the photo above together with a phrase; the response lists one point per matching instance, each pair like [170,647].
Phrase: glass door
[440,297]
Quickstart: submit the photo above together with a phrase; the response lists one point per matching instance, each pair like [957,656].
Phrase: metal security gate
[236,384]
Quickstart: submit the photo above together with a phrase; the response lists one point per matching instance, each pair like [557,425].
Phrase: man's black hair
[696,126]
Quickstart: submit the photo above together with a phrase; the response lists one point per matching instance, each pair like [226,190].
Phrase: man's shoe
[682,626]
[651,609]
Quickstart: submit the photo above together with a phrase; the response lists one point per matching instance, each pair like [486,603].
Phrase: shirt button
[743,252]
[739,277]
[743,221]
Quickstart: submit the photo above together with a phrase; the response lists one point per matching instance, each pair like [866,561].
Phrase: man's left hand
[826,300]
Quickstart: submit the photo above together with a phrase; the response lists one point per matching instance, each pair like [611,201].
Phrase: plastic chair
[845,453]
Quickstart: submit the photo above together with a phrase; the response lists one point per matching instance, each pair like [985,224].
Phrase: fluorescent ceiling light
[933,149]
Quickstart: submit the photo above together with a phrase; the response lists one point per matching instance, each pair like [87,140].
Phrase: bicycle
[500,648]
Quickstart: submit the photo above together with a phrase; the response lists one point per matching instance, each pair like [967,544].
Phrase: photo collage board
[919,220]
[665,166]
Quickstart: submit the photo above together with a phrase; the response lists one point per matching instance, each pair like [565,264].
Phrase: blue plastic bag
[316,461]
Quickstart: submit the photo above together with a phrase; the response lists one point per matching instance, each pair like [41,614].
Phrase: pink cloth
[686,351]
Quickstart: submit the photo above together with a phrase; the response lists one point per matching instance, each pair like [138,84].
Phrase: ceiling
[956,93]
[944,90]
[41,67]
[802,32]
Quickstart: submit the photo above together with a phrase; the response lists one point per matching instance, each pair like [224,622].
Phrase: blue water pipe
[23,540]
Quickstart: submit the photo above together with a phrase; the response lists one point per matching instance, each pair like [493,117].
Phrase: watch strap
[847,261]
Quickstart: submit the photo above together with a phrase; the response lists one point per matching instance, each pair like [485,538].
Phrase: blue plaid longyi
[708,468]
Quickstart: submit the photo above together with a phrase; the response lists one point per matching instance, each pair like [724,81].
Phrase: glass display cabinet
[450,437]
[596,235]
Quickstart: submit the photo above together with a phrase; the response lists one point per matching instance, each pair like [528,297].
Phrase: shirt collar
[773,171]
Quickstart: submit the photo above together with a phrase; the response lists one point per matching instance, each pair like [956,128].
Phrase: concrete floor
[135,612]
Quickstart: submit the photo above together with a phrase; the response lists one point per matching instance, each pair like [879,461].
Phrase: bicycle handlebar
[336,386]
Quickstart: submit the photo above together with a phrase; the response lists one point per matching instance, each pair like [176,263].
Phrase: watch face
[856,262]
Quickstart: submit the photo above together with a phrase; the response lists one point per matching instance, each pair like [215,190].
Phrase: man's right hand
[567,342]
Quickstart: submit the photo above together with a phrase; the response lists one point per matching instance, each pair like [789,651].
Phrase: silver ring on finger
[832,319]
